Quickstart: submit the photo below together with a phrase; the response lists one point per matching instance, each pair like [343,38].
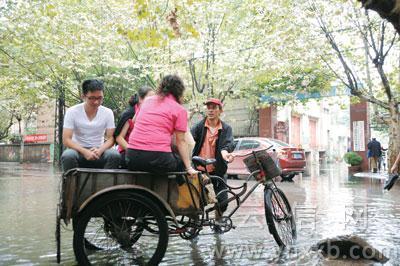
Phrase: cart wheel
[88,245]
[279,216]
[125,227]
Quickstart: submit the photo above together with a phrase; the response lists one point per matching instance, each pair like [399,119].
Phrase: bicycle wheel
[279,216]
[125,227]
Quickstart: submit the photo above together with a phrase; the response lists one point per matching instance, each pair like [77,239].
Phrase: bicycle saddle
[201,161]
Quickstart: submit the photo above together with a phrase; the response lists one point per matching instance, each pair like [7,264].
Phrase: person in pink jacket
[160,117]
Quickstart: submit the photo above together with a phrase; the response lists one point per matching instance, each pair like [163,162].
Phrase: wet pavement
[327,203]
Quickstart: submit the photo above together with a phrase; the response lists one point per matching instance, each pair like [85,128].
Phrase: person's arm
[395,165]
[182,147]
[109,135]
[127,114]
[108,143]
[69,143]
[227,146]
[121,137]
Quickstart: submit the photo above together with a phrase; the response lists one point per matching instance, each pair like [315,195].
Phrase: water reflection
[328,202]
[195,253]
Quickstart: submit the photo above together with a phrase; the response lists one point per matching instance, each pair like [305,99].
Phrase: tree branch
[21,64]
[334,72]
[352,80]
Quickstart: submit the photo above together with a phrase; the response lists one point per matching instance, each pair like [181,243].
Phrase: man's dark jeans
[70,158]
[223,196]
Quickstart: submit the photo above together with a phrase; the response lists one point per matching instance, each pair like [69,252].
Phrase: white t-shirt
[85,132]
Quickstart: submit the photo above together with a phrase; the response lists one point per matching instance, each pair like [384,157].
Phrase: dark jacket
[375,147]
[224,142]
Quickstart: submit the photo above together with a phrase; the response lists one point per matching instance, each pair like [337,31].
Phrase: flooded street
[327,203]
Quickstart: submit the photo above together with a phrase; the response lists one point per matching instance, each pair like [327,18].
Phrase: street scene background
[327,203]
[321,76]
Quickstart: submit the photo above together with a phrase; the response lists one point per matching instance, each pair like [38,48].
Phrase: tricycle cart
[126,217]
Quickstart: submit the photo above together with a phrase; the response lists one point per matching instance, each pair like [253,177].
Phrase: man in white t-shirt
[85,125]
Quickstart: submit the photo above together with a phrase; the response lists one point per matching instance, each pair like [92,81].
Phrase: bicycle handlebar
[247,154]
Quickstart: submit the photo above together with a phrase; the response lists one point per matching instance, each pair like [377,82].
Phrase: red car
[291,160]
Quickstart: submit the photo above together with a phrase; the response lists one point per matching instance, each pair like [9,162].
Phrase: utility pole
[21,150]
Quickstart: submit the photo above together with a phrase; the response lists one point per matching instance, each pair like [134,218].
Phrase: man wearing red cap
[214,139]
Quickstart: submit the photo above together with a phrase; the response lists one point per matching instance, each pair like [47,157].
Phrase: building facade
[320,127]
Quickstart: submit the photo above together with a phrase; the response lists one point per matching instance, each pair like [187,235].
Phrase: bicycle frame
[238,196]
[239,201]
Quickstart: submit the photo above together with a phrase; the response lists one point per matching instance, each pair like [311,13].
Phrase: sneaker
[390,182]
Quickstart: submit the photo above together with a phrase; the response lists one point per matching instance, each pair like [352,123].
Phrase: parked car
[291,160]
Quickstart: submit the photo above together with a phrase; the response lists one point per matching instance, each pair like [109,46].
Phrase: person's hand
[97,151]
[228,157]
[191,171]
[90,155]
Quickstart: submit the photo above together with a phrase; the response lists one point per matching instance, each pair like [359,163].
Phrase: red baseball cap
[214,101]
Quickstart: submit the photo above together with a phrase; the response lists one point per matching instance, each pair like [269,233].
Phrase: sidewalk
[379,175]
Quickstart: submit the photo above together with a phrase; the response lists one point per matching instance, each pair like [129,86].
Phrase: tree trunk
[387,9]
[21,150]
[394,134]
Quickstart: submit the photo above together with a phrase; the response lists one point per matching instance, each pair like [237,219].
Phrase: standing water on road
[327,203]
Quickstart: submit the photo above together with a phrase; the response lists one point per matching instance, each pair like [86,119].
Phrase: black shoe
[217,229]
[390,182]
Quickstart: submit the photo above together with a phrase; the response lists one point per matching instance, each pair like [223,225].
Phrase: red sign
[35,138]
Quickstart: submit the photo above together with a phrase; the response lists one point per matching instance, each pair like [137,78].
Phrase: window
[278,143]
[249,144]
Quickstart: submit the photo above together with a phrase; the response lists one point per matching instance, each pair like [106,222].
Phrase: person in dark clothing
[126,123]
[134,103]
[375,151]
[214,139]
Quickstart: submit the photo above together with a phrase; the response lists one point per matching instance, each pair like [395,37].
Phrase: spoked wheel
[87,243]
[279,216]
[120,227]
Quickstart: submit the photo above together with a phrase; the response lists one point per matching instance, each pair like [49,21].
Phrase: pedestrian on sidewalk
[376,151]
[382,160]
[369,158]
